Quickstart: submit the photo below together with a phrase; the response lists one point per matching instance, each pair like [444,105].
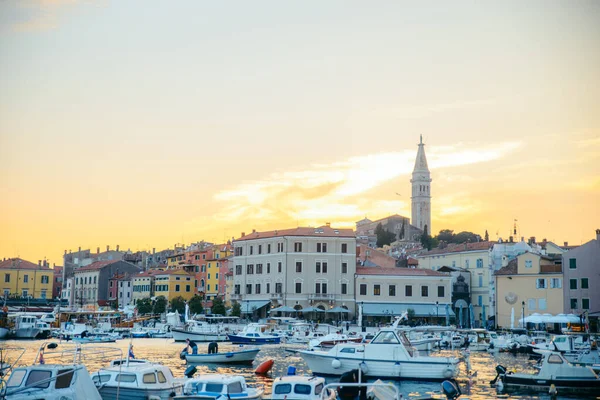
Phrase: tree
[465,236]
[160,305]
[218,307]
[384,236]
[487,237]
[447,235]
[410,314]
[195,304]
[426,241]
[178,304]
[144,306]
[236,309]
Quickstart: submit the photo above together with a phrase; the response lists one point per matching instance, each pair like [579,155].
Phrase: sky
[152,123]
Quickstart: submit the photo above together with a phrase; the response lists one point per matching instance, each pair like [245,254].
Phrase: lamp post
[523,313]
[437,314]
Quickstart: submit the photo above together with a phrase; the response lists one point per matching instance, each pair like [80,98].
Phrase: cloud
[342,192]
[36,15]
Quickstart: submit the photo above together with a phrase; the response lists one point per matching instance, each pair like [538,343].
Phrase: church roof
[421,160]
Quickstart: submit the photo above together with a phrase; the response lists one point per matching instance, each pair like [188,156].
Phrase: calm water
[167,352]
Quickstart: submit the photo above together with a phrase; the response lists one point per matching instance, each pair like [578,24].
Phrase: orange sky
[219,120]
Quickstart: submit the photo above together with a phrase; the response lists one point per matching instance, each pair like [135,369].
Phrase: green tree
[218,307]
[410,314]
[426,241]
[383,236]
[160,305]
[487,236]
[195,304]
[465,236]
[144,306]
[447,235]
[236,309]
[178,304]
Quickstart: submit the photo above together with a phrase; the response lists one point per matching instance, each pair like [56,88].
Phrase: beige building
[473,257]
[296,267]
[531,282]
[388,292]
[143,285]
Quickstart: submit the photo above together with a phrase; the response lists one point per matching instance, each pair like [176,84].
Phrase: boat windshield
[386,337]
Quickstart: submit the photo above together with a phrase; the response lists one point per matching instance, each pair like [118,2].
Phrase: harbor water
[166,351]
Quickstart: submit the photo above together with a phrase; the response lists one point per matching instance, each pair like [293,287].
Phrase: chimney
[566,244]
[97,250]
[253,230]
[39,263]
[154,250]
[243,234]
[107,247]
[65,252]
[510,239]
[117,247]
[328,224]
[79,250]
[598,235]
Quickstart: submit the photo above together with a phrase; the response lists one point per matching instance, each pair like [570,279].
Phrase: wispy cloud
[341,192]
[35,15]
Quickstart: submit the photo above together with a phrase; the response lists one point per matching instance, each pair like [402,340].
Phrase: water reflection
[167,352]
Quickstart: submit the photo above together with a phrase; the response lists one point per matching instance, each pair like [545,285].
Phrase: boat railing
[366,385]
[75,353]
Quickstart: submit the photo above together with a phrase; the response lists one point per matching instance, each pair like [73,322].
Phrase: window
[573,284]
[208,276]
[161,377]
[259,268]
[324,267]
[321,247]
[299,267]
[466,263]
[36,376]
[531,304]
[250,269]
[344,268]
[278,287]
[408,290]
[16,378]
[24,293]
[248,288]
[441,291]
[480,263]
[217,275]
[268,268]
[204,256]
[572,263]
[584,283]
[585,304]
[528,263]
[480,277]
[257,288]
[318,267]
[125,378]
[187,288]
[63,378]
[425,291]
[479,300]
[542,304]
[392,290]
[574,304]
[177,288]
[298,287]
[269,248]
[6,277]
[239,251]
[236,289]
[540,283]
[363,289]
[302,389]
[149,378]
[216,288]
[344,247]
[283,389]
[298,247]
[251,250]
[43,294]
[268,288]
[47,281]
[279,267]
[377,290]
[344,288]
[556,283]
[260,249]
[25,278]
[554,359]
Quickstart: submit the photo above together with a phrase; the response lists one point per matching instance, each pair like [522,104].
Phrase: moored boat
[199,331]
[245,356]
[219,386]
[301,388]
[254,334]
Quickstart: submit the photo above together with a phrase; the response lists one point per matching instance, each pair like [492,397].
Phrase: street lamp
[523,313]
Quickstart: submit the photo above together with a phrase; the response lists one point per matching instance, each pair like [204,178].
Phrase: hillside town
[374,272]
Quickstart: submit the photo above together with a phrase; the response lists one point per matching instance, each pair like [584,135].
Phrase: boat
[255,334]
[139,333]
[140,379]
[28,326]
[479,339]
[331,339]
[246,356]
[50,377]
[199,331]
[219,386]
[553,371]
[95,339]
[388,355]
[301,387]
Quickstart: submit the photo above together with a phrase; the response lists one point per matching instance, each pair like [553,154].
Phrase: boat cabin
[134,375]
[300,388]
[216,385]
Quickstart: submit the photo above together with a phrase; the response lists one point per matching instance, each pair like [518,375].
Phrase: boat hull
[578,384]
[30,333]
[179,335]
[3,333]
[235,339]
[233,357]
[110,393]
[323,364]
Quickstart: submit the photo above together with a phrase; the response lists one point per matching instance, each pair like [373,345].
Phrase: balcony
[235,296]
[321,296]
[276,296]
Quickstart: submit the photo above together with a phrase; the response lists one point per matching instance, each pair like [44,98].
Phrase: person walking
[192,345]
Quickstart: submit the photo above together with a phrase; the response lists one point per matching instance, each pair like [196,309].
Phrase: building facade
[297,267]
[143,285]
[421,192]
[26,280]
[92,282]
[174,283]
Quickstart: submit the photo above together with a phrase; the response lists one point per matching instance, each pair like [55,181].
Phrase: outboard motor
[183,354]
[451,390]
[190,371]
[500,370]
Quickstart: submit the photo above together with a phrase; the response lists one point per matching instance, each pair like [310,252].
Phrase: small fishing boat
[246,356]
[553,371]
[254,334]
[219,386]
[199,331]
[301,388]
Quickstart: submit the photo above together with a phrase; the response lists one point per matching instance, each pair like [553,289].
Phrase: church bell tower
[421,192]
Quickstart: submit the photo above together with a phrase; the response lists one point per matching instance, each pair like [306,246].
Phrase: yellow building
[216,267]
[173,283]
[175,261]
[26,279]
[530,282]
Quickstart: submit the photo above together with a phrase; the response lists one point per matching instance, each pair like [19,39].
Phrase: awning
[252,305]
[397,309]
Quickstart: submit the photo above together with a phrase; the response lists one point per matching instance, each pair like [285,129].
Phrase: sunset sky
[150,123]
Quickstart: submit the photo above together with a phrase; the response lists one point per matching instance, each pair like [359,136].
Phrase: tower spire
[421,191]
[421,136]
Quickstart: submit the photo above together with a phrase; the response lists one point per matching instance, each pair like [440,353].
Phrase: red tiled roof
[398,271]
[412,261]
[146,273]
[323,231]
[510,269]
[173,272]
[458,248]
[96,266]
[18,263]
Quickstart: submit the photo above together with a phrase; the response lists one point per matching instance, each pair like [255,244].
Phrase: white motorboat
[553,371]
[28,326]
[136,380]
[301,388]
[479,339]
[331,339]
[219,386]
[388,355]
[245,356]
[254,334]
[199,331]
